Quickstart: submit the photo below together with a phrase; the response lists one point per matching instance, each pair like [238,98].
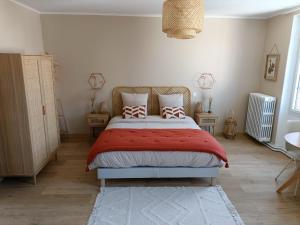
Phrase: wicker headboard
[153,92]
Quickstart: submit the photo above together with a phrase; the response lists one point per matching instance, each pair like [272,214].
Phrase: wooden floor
[65,193]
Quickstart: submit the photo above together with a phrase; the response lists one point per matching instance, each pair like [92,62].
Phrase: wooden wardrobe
[28,123]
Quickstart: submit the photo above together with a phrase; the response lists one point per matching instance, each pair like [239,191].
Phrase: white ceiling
[213,8]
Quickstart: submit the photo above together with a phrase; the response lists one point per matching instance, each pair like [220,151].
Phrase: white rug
[164,206]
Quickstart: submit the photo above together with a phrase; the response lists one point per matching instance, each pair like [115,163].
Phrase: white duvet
[125,159]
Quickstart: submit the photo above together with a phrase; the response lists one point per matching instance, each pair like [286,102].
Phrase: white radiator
[260,115]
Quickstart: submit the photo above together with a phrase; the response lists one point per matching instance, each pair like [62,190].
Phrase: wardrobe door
[15,143]
[35,110]
[46,74]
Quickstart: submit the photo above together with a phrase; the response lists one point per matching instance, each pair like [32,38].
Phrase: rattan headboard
[153,92]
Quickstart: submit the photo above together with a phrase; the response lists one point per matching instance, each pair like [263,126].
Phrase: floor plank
[65,193]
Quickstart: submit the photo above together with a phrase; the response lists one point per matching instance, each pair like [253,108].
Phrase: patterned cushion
[136,111]
[173,100]
[135,99]
[173,113]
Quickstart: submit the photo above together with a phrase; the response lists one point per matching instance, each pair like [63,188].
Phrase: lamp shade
[182,19]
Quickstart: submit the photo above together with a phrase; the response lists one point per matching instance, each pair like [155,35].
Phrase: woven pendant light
[182,19]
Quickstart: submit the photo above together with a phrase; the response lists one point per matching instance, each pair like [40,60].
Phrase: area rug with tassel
[164,206]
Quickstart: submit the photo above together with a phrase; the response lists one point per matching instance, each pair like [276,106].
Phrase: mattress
[126,159]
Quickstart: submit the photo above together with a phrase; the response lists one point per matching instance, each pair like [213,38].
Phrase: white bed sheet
[126,159]
[152,122]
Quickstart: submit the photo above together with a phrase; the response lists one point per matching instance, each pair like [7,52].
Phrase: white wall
[132,51]
[20,29]
[279,30]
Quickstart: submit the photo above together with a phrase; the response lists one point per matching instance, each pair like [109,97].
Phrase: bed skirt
[156,172]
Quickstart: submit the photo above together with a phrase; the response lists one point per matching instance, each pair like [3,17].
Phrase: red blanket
[186,140]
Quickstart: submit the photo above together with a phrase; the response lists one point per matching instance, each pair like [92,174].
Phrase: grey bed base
[156,172]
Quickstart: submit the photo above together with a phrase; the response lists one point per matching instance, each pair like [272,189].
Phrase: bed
[153,164]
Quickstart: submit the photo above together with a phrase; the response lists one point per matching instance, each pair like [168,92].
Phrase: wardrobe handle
[44,110]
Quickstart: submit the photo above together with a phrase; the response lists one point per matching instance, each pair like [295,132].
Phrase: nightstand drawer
[207,121]
[97,121]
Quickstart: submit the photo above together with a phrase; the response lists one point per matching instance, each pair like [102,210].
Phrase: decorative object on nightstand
[206,120]
[198,107]
[93,95]
[99,120]
[230,126]
[104,107]
[206,83]
[210,104]
[96,82]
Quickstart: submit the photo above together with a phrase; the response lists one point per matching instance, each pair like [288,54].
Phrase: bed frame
[157,172]
[153,109]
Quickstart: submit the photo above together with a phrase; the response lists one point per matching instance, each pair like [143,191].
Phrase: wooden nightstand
[206,120]
[97,121]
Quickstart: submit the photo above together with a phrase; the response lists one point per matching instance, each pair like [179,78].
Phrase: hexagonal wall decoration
[96,81]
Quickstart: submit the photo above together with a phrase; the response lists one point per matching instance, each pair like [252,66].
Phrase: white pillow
[134,99]
[174,100]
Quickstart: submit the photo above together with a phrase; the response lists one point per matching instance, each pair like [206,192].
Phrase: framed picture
[272,65]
